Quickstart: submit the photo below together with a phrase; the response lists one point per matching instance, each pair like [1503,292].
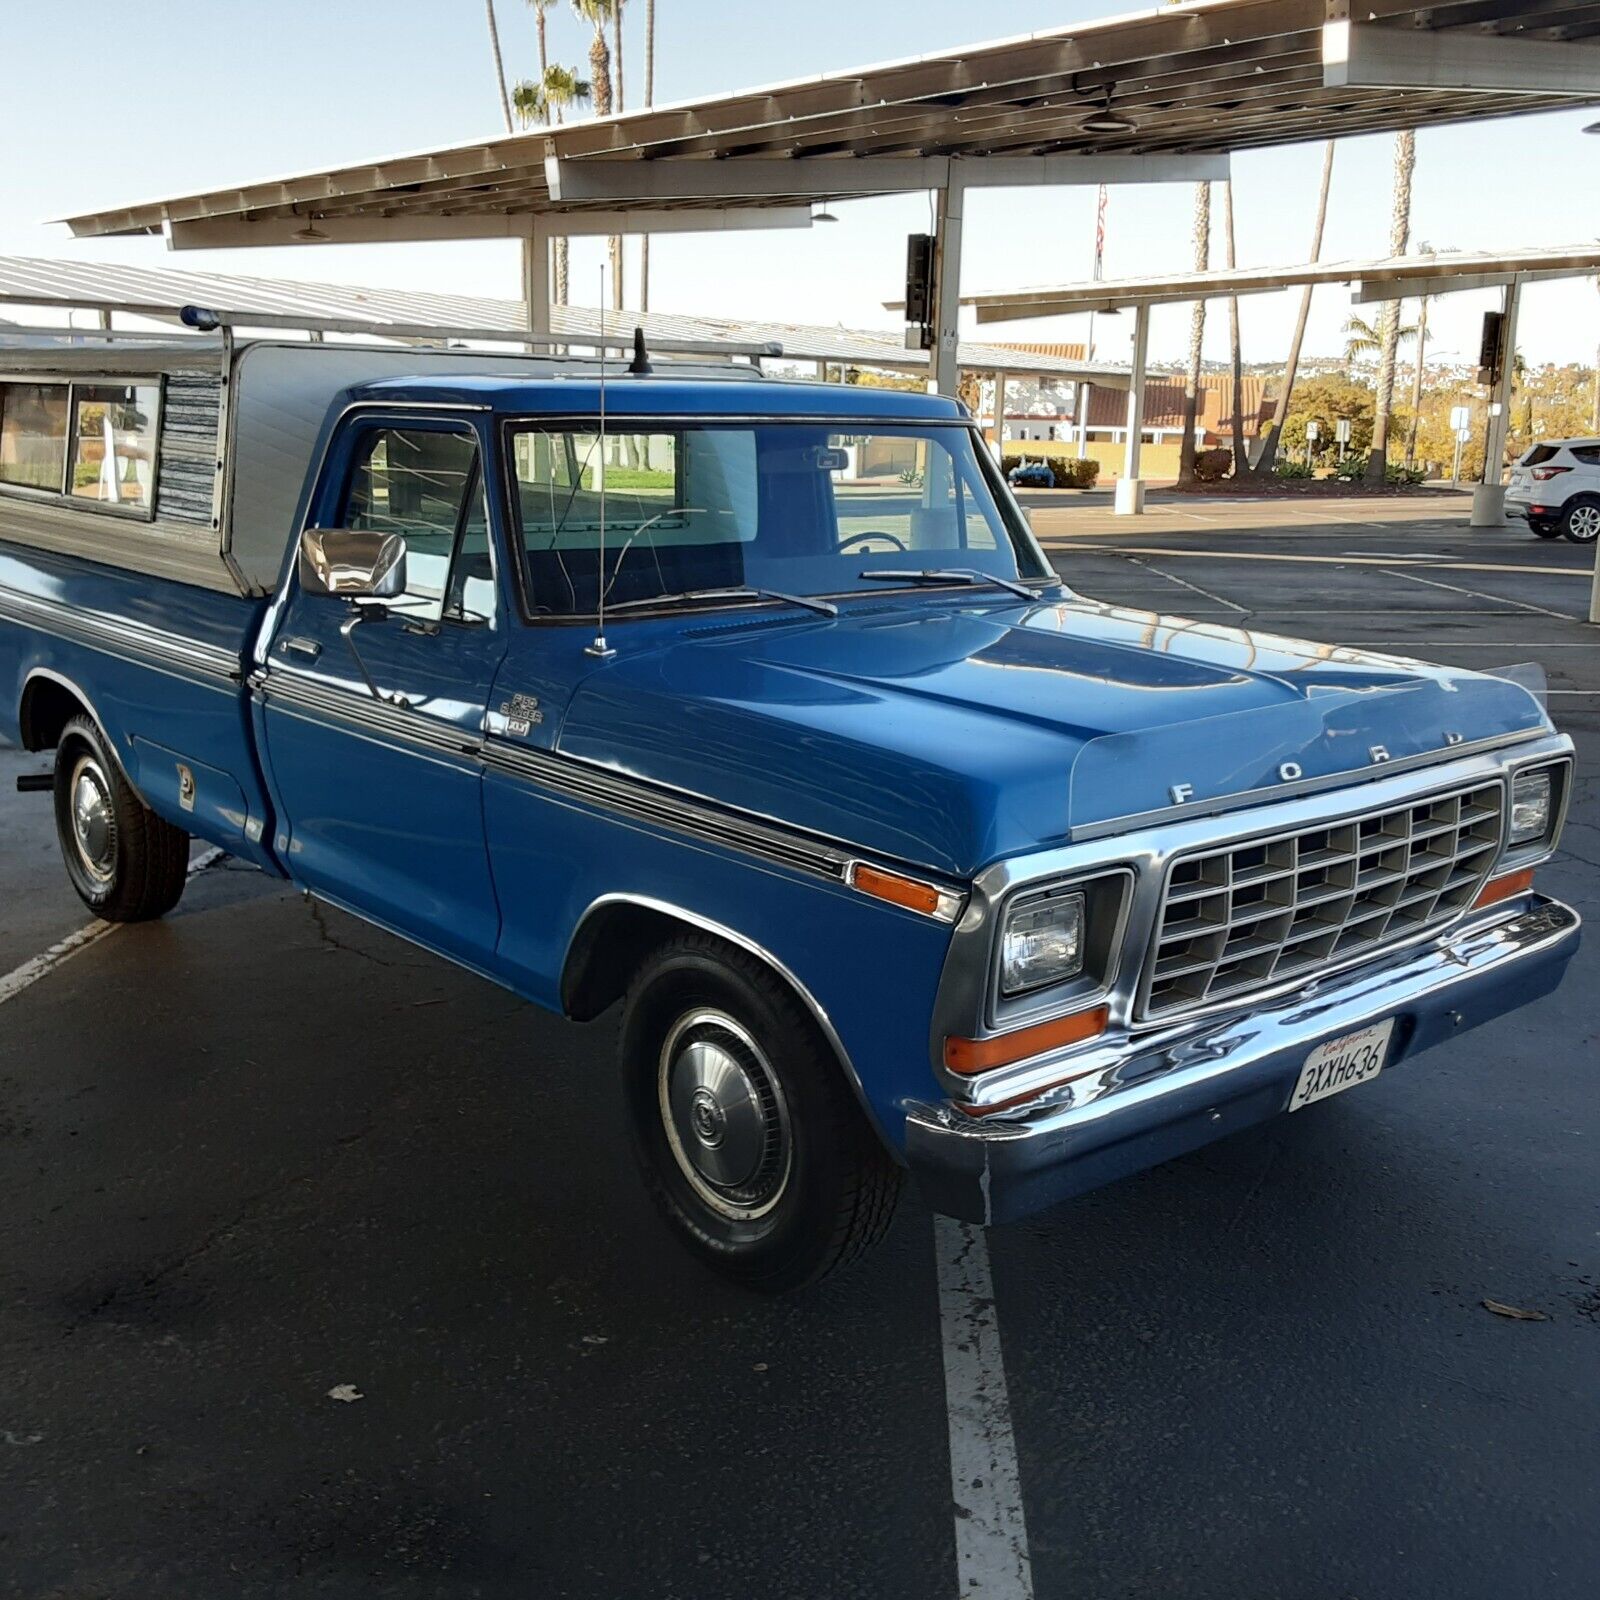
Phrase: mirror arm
[347,632]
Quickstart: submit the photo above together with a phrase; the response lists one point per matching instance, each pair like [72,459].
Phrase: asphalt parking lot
[259,1151]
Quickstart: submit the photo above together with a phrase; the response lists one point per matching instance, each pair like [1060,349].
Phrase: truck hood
[952,734]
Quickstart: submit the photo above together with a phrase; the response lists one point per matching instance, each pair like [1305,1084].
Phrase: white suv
[1555,487]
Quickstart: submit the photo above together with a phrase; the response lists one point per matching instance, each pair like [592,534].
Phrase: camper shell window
[91,443]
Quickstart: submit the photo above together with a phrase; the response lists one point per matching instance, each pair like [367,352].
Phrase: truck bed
[161,662]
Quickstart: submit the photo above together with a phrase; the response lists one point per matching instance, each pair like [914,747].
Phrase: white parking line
[31,971]
[992,1560]
[1477,594]
[1183,583]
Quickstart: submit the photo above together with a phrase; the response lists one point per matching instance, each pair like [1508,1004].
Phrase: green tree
[598,13]
[538,104]
[1366,340]
[1328,398]
[1405,166]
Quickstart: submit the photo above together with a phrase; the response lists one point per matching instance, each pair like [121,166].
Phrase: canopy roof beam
[836,178]
[410,226]
[1365,55]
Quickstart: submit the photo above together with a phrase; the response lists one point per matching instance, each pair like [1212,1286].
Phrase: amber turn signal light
[967,1056]
[914,895]
[1505,887]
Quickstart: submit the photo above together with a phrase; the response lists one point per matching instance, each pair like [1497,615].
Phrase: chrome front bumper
[1143,1102]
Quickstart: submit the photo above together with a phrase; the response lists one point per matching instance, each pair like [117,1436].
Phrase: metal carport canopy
[1386,278]
[160,294]
[1191,80]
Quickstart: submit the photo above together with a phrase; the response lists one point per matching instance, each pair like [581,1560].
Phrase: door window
[425,485]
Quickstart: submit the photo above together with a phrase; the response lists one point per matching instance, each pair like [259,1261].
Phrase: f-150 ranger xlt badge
[522,713]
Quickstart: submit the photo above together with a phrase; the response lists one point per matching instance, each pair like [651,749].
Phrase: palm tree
[1269,449]
[537,105]
[618,57]
[539,7]
[1241,462]
[1197,333]
[499,64]
[649,100]
[597,13]
[1405,166]
[1365,340]
[1416,378]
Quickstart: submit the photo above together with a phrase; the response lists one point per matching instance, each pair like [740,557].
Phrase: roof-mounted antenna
[640,365]
[600,649]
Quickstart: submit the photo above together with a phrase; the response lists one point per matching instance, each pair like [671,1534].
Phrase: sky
[107,104]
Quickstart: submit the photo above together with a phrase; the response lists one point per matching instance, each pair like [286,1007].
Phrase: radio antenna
[600,649]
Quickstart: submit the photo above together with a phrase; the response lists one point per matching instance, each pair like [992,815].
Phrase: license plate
[1341,1064]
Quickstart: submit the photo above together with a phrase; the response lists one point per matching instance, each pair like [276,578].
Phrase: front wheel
[1581,521]
[749,1138]
[127,864]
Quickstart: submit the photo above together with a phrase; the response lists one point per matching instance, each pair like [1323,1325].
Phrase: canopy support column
[947,284]
[1001,380]
[536,275]
[1130,487]
[1489,498]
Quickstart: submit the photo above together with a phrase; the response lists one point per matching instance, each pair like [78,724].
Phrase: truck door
[378,782]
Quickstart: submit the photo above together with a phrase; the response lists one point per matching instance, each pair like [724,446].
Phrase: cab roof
[566,394]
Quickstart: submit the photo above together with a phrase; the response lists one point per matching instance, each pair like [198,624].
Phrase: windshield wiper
[823,608]
[967,575]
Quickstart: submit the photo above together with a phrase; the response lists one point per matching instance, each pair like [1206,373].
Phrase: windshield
[801,507]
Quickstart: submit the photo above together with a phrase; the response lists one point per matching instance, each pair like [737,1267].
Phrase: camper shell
[224,461]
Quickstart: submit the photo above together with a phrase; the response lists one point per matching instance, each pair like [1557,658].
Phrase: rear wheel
[1544,530]
[750,1140]
[127,864]
[1580,522]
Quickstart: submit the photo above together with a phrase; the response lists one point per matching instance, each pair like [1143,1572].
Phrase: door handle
[309,648]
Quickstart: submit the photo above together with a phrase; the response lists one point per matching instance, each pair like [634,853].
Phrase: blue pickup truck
[755,709]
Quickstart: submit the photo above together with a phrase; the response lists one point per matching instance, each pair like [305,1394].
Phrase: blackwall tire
[1580,522]
[750,1140]
[126,863]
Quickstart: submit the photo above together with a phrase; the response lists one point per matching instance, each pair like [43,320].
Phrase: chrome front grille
[1247,916]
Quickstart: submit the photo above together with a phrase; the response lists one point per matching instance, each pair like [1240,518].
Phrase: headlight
[1532,803]
[1042,943]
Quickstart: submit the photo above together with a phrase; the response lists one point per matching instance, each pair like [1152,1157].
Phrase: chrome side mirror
[357,566]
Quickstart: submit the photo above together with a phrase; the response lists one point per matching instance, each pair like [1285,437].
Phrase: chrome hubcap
[725,1116]
[93,831]
[1585,522]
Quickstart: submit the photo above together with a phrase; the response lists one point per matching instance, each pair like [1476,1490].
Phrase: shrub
[1402,475]
[1353,468]
[1075,472]
[1212,466]
[1293,469]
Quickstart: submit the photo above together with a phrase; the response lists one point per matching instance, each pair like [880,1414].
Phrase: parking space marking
[1328,561]
[37,967]
[1183,583]
[31,971]
[1477,594]
[992,1559]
